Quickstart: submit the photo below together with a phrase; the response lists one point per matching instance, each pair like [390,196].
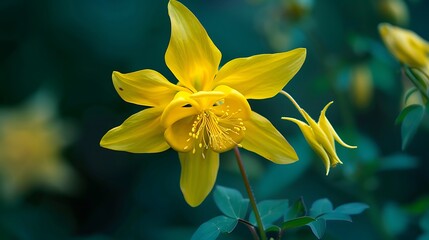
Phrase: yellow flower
[321,136]
[406,46]
[31,139]
[206,112]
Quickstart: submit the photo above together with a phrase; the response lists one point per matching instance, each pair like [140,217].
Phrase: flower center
[219,132]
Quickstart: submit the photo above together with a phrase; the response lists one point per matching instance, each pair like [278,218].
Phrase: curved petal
[179,135]
[191,54]
[311,140]
[326,126]
[144,87]
[264,139]
[140,133]
[182,106]
[261,76]
[198,174]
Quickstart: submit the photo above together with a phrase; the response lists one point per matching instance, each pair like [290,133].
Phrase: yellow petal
[191,54]
[261,76]
[208,119]
[198,175]
[177,135]
[145,87]
[264,139]
[234,104]
[329,130]
[325,139]
[182,106]
[140,133]
[312,141]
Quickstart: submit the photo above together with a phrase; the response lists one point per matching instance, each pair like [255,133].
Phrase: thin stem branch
[283,92]
[250,194]
[251,228]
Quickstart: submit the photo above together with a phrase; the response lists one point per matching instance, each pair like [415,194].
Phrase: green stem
[250,194]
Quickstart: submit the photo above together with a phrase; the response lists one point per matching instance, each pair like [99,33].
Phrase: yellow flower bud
[297,9]
[405,45]
[395,11]
[361,86]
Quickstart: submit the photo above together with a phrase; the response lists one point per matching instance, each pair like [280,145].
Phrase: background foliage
[71,47]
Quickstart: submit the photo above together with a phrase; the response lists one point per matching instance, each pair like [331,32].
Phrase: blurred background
[57,101]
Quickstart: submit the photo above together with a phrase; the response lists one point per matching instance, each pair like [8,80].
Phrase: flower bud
[361,85]
[394,11]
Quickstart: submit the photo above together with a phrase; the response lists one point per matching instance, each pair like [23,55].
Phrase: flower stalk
[252,199]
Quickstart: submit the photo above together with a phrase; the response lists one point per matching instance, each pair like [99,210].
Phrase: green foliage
[296,210]
[270,210]
[322,211]
[410,119]
[414,107]
[277,216]
[211,229]
[230,202]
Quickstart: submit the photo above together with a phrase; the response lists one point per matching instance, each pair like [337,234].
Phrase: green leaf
[230,202]
[418,78]
[211,229]
[334,216]
[351,208]
[298,209]
[411,122]
[320,207]
[297,222]
[318,227]
[270,211]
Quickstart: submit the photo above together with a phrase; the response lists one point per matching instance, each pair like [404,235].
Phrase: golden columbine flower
[31,140]
[321,136]
[206,112]
[406,46]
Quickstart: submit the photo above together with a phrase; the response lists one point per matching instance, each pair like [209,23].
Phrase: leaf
[334,216]
[211,229]
[320,207]
[318,227]
[297,222]
[411,122]
[351,208]
[298,209]
[270,211]
[230,202]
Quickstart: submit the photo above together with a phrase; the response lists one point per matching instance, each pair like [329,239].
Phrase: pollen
[219,132]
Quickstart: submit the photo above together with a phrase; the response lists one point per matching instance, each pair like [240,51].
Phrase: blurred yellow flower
[395,11]
[361,86]
[321,136]
[206,112]
[31,140]
[406,46]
